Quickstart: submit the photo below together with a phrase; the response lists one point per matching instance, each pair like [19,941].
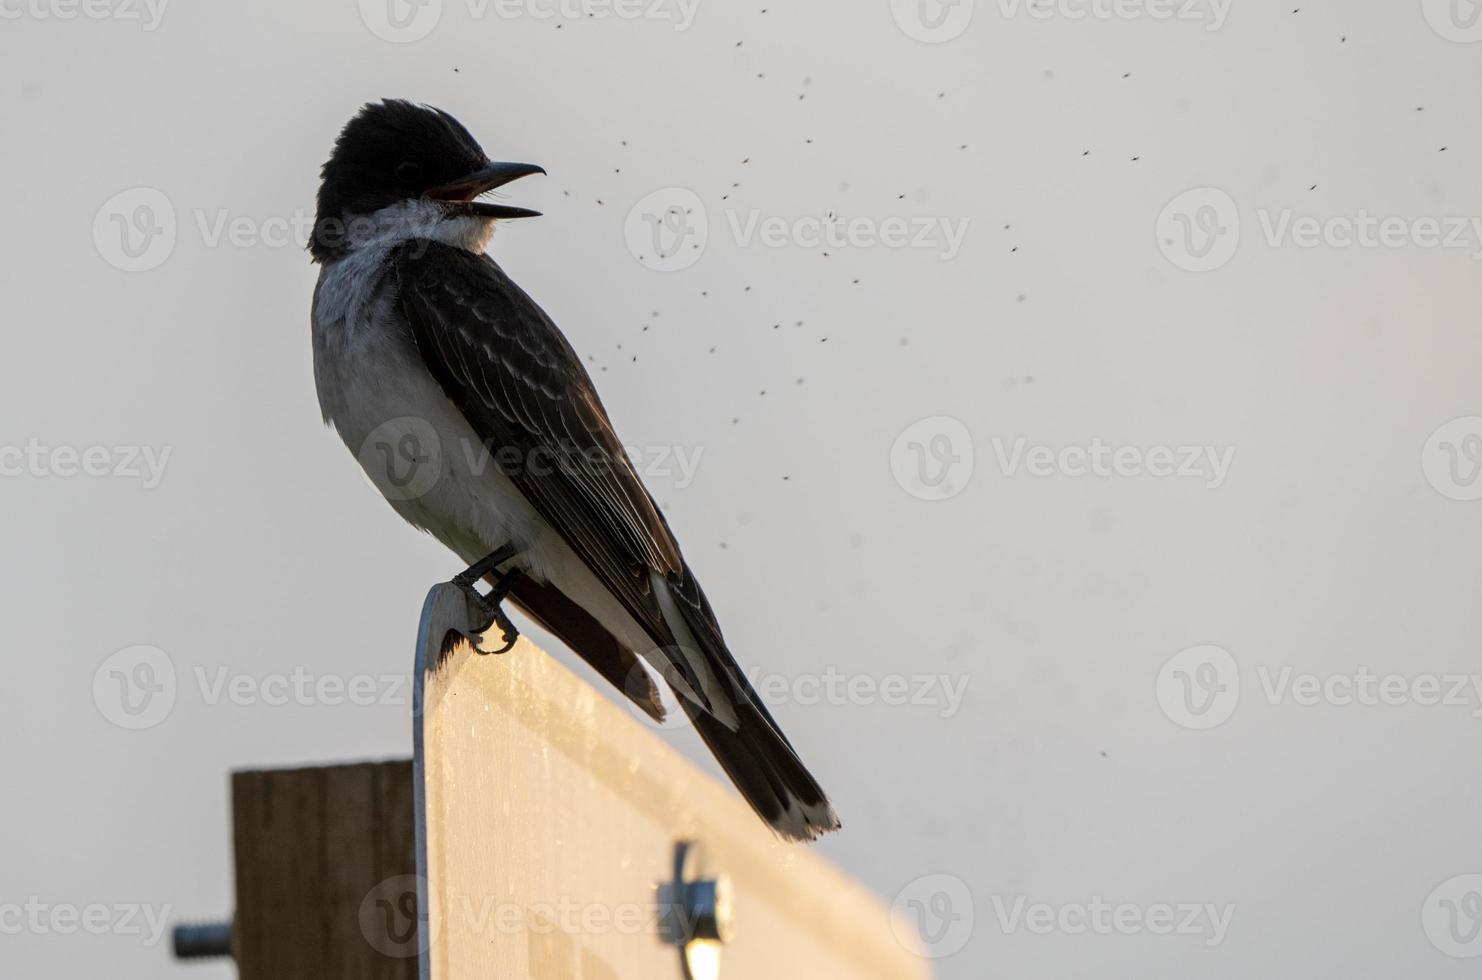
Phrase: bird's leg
[491,605]
[485,565]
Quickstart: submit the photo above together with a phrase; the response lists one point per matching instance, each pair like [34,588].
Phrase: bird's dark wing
[522,388]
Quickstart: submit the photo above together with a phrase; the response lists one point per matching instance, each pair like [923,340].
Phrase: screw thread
[202,940]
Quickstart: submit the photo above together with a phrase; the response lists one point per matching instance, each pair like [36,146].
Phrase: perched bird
[472,414]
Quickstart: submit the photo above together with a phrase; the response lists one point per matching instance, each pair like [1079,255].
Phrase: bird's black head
[395,152]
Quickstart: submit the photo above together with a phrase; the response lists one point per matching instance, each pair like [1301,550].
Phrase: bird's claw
[488,610]
[485,612]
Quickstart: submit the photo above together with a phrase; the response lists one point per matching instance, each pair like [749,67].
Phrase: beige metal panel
[551,817]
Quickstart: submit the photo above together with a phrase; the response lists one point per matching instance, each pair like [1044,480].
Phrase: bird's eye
[407,171]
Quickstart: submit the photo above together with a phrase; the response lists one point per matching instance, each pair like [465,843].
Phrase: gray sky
[1186,303]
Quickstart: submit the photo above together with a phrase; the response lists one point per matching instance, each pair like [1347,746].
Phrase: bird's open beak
[461,194]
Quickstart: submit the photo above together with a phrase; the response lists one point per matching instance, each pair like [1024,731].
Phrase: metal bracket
[697,913]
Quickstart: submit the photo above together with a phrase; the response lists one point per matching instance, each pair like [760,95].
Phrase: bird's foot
[488,610]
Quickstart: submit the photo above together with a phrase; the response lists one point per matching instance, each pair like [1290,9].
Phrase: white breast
[418,449]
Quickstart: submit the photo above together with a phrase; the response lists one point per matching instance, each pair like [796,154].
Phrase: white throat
[419,219]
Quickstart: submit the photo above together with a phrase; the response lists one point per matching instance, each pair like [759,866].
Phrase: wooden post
[325,858]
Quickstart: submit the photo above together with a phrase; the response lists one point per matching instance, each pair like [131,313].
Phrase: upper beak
[465,189]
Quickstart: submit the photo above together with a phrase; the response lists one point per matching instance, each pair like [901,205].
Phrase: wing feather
[502,361]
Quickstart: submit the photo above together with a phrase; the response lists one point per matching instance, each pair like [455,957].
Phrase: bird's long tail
[735,724]
[766,770]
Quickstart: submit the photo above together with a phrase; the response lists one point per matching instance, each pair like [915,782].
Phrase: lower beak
[461,193]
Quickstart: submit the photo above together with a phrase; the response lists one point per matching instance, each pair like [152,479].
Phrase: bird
[472,414]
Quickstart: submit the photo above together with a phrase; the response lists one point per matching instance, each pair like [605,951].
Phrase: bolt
[202,940]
